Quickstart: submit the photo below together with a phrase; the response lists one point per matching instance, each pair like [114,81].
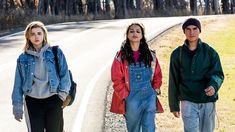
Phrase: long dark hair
[145,53]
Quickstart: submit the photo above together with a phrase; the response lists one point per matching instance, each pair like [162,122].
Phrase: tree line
[14,10]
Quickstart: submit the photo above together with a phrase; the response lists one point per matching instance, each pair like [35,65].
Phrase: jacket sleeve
[17,93]
[173,87]
[65,82]
[118,79]
[157,76]
[215,72]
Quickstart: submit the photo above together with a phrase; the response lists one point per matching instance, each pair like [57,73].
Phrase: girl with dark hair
[137,78]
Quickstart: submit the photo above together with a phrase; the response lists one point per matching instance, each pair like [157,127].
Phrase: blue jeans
[198,117]
[141,103]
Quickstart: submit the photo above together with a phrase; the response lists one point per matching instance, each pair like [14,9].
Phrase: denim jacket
[24,75]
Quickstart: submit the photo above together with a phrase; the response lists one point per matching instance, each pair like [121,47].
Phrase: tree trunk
[130,4]
[80,7]
[183,4]
[94,6]
[107,5]
[52,6]
[216,7]
[232,6]
[74,7]
[124,9]
[30,4]
[225,6]
[158,4]
[41,7]
[107,8]
[62,6]
[120,8]
[169,4]
[138,5]
[2,5]
[176,4]
[68,7]
[57,7]
[193,7]
[47,7]
[207,7]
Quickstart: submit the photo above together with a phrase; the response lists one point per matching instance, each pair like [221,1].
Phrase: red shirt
[136,55]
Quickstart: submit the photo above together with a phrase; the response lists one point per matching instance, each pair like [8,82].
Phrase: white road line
[7,36]
[77,127]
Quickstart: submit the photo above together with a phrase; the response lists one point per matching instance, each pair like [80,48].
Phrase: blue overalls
[141,103]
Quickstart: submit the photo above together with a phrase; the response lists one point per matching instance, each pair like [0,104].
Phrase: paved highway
[89,47]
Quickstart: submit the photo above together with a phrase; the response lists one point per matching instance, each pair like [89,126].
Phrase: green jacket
[189,75]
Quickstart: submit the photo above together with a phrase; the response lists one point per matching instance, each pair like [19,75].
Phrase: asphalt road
[89,48]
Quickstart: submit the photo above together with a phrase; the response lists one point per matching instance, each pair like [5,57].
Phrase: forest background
[16,14]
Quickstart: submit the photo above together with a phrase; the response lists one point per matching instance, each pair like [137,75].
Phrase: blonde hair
[28,29]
